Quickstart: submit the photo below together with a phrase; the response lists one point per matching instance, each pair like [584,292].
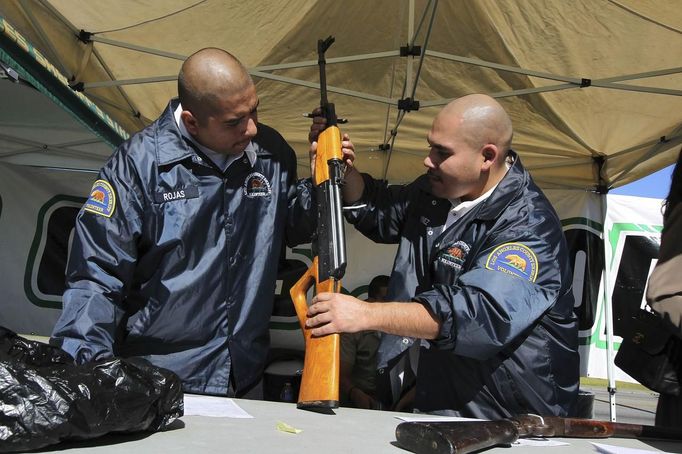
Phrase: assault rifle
[469,436]
[320,382]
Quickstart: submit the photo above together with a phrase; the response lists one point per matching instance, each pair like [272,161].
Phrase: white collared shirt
[460,208]
[221,160]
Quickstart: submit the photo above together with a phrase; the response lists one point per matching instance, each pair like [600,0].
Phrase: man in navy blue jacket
[176,250]
[481,275]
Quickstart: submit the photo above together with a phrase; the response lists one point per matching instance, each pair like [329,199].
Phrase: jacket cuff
[438,305]
[355,211]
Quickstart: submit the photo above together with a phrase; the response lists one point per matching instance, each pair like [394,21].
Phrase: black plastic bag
[46,399]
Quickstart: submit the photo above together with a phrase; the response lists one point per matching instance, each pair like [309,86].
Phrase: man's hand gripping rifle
[320,381]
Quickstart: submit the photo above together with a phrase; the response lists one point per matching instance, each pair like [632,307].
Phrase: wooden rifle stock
[463,437]
[321,370]
[454,437]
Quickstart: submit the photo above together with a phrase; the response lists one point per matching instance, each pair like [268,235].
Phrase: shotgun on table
[461,437]
[320,380]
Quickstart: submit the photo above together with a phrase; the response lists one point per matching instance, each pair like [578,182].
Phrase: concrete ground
[634,403]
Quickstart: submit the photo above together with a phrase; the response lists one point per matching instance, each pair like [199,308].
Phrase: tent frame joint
[410,51]
[601,187]
[408,104]
[80,86]
[84,37]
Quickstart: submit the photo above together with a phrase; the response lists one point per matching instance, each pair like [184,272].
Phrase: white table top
[347,431]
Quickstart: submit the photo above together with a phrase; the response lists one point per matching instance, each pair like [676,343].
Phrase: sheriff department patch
[515,259]
[256,185]
[454,255]
[102,199]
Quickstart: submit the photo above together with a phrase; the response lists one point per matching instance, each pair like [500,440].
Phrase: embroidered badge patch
[256,185]
[102,199]
[515,259]
[454,255]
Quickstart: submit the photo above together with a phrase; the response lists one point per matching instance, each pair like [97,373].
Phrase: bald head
[206,77]
[481,120]
[469,140]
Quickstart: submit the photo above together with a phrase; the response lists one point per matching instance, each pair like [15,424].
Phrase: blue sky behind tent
[655,185]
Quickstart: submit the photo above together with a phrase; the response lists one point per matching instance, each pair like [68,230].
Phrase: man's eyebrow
[433,144]
[239,119]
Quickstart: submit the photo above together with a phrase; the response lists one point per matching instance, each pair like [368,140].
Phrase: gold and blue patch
[102,199]
[515,259]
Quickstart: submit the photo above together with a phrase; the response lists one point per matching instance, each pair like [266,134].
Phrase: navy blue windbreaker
[499,281]
[183,270]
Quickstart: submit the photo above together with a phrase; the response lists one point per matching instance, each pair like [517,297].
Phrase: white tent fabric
[593,86]
[35,131]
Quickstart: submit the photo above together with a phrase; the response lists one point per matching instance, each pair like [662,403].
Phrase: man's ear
[190,122]
[491,154]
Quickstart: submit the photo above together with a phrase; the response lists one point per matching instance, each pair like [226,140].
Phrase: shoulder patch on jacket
[102,199]
[515,259]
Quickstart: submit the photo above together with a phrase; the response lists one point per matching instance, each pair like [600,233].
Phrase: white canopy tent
[37,132]
[593,86]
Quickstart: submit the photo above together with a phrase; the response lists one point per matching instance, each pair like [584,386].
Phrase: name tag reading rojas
[191,192]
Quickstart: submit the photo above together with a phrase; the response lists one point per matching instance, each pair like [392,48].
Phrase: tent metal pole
[41,33]
[408,80]
[564,163]
[75,31]
[135,47]
[645,75]
[34,68]
[656,148]
[120,82]
[672,140]
[552,184]
[433,4]
[608,303]
[105,102]
[255,69]
[573,82]
[506,94]
[124,95]
[346,59]
[341,91]
[498,66]
[39,146]
[642,89]
[409,70]
[608,316]
[65,169]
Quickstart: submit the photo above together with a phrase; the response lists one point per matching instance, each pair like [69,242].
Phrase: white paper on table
[610,449]
[196,405]
[540,442]
[434,418]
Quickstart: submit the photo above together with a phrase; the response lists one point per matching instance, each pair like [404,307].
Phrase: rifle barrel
[591,428]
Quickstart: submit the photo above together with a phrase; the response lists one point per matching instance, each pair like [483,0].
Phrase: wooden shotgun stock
[462,437]
[321,369]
